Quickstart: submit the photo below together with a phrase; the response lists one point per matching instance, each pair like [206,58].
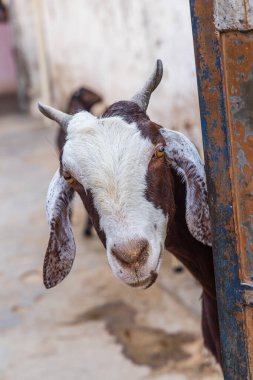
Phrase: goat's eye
[159,152]
[68,178]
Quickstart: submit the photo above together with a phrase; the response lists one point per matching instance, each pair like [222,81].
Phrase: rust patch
[249,324]
[141,344]
[221,69]
[242,105]
[239,84]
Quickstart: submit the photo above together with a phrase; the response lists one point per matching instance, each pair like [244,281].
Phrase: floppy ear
[89,98]
[61,248]
[184,158]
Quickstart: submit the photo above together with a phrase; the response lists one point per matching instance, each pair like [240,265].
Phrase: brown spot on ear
[59,258]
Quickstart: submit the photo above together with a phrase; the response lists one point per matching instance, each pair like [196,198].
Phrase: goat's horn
[52,113]
[142,97]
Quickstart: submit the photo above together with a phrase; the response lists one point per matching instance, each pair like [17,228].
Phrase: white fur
[56,187]
[110,157]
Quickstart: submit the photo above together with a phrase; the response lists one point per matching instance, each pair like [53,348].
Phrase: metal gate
[223,41]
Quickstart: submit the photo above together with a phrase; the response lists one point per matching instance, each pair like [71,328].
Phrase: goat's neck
[196,256]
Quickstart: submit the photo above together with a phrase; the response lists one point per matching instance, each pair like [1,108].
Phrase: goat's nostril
[132,251]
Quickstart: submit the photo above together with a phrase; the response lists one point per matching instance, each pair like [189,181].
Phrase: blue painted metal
[215,130]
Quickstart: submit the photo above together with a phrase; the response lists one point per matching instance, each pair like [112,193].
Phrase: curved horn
[142,97]
[52,113]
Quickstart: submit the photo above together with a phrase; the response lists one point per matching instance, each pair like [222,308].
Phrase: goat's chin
[146,283]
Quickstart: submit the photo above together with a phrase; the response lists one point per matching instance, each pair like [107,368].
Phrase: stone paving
[91,326]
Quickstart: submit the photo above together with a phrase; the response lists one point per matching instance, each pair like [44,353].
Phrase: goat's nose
[132,251]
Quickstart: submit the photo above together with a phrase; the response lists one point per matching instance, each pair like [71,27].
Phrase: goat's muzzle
[132,252]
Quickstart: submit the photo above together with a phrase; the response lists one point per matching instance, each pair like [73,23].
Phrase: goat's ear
[61,248]
[184,158]
[90,98]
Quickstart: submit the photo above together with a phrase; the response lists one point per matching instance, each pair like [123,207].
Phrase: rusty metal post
[223,41]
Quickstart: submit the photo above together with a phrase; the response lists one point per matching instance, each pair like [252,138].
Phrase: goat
[81,99]
[3,12]
[144,187]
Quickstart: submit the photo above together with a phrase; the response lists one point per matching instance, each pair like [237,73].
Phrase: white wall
[111,46]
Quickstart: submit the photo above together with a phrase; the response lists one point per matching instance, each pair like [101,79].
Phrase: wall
[111,46]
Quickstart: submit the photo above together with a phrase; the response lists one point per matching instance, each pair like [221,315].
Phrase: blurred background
[90,326]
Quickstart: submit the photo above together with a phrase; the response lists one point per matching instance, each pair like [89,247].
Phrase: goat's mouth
[149,281]
[146,283]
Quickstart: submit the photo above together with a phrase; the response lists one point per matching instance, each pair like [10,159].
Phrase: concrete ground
[90,326]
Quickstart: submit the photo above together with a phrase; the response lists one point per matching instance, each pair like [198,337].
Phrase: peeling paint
[248,226]
[242,106]
[242,161]
[249,324]
[248,297]
[240,109]
[240,59]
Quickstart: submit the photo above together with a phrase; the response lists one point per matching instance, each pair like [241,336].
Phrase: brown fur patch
[198,259]
[129,111]
[160,186]
[87,198]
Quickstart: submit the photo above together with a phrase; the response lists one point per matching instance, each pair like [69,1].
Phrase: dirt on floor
[91,326]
